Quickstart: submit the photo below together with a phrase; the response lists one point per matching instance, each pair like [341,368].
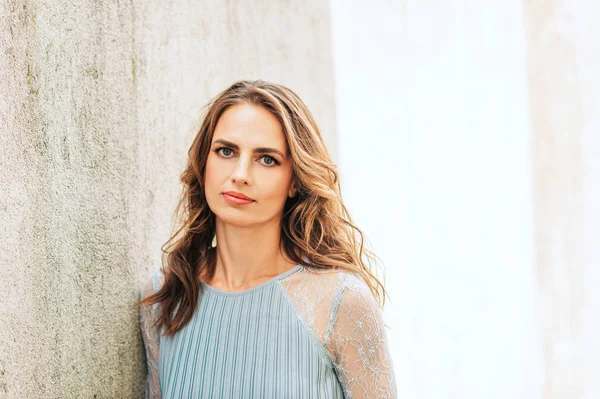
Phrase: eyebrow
[258,150]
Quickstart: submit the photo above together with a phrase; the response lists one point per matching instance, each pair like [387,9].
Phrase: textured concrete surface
[97,109]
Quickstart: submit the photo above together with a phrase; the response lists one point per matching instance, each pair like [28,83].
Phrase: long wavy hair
[316,229]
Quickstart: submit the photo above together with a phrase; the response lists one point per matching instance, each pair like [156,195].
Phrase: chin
[235,217]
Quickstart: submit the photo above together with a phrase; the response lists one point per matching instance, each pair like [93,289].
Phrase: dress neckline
[249,290]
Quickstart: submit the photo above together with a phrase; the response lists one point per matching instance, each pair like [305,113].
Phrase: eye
[269,160]
[226,151]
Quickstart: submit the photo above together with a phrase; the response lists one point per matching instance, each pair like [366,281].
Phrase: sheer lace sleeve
[358,343]
[150,335]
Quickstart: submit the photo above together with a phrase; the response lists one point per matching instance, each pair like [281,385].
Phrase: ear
[292,192]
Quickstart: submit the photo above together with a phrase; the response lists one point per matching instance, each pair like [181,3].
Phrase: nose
[241,173]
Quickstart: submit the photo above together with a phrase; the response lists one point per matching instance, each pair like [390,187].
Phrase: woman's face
[248,157]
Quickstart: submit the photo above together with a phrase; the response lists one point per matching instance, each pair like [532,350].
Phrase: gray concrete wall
[98,102]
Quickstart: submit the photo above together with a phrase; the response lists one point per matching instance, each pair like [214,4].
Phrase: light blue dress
[302,334]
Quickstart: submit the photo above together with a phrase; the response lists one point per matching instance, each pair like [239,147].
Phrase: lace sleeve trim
[359,344]
[151,337]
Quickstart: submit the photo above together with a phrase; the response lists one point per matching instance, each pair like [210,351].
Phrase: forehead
[250,126]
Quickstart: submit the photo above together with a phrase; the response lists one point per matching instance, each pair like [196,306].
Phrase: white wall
[435,156]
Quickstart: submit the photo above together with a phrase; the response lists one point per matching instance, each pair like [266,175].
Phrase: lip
[238,195]
[234,200]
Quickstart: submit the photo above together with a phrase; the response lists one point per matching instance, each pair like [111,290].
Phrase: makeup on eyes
[259,150]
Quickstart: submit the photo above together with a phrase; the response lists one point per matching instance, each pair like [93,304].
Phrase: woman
[265,293]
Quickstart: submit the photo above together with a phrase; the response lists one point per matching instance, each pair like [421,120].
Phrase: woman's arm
[359,343]
[150,335]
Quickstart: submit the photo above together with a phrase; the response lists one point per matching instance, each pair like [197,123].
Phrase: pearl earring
[214,241]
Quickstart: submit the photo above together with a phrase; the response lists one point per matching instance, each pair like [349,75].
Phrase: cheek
[212,171]
[277,187]
[211,180]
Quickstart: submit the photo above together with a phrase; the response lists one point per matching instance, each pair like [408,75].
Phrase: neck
[247,256]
